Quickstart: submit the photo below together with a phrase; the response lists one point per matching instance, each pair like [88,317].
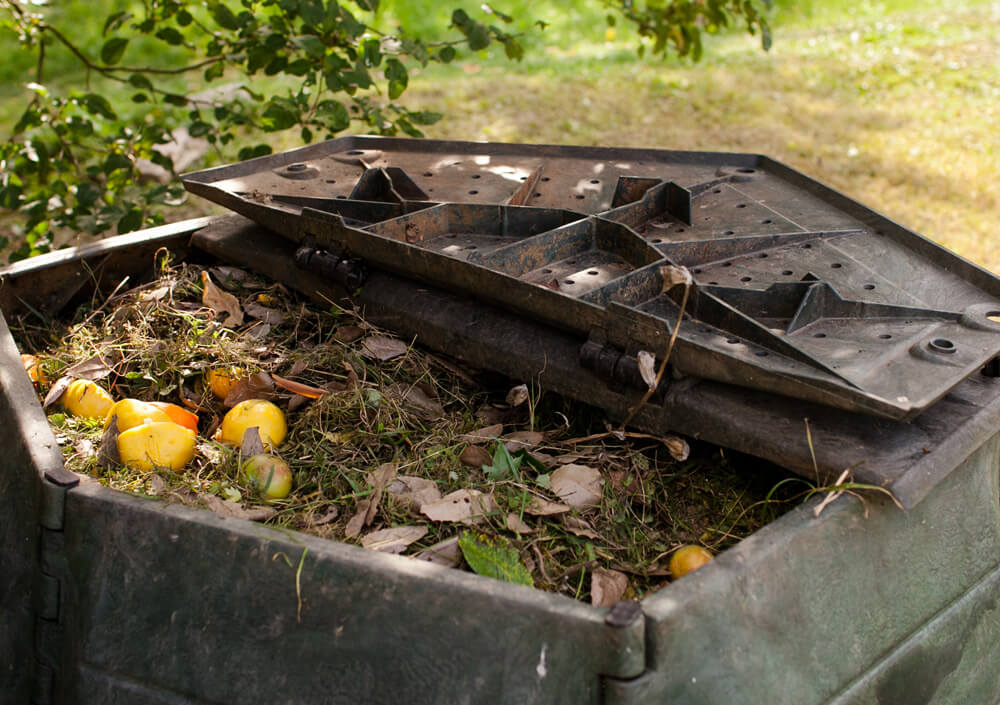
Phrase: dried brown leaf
[580,527]
[466,506]
[475,456]
[677,447]
[607,587]
[221,302]
[228,276]
[235,510]
[383,348]
[303,390]
[540,507]
[577,485]
[270,316]
[516,524]
[251,444]
[394,540]
[256,386]
[517,395]
[444,553]
[108,457]
[93,369]
[417,400]
[347,334]
[647,368]
[482,435]
[297,368]
[56,391]
[673,275]
[357,522]
[522,439]
[157,485]
[414,492]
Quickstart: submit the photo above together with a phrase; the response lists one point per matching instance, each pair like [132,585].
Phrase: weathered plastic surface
[171,605]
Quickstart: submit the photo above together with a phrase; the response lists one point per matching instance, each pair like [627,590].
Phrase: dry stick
[663,365]
[100,308]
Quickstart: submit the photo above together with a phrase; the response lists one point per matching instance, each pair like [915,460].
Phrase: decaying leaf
[329,516]
[647,368]
[414,492]
[108,457]
[56,391]
[235,510]
[518,395]
[270,316]
[357,522]
[303,390]
[394,540]
[368,508]
[540,507]
[577,485]
[482,435]
[494,557]
[157,485]
[94,368]
[383,348]
[221,302]
[252,444]
[475,456]
[227,275]
[417,400]
[445,553]
[466,506]
[516,524]
[677,447]
[673,275]
[580,527]
[607,587]
[347,334]
[522,439]
[256,386]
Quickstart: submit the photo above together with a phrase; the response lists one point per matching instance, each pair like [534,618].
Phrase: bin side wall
[798,610]
[177,604]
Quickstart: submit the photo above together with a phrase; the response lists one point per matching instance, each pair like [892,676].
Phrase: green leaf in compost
[494,557]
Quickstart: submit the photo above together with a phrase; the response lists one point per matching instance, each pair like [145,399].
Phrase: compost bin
[797,304]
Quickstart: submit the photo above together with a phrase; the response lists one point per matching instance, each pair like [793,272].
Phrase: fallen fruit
[162,444]
[269,474]
[268,418]
[178,414]
[33,366]
[86,399]
[222,381]
[687,559]
[132,413]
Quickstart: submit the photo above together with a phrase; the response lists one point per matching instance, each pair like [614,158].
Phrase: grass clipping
[397,449]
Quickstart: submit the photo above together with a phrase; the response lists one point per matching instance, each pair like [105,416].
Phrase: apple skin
[269,474]
[688,559]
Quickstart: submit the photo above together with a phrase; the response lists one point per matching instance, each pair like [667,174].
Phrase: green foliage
[232,73]
[494,557]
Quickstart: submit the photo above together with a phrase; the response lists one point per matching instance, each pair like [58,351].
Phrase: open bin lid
[796,289]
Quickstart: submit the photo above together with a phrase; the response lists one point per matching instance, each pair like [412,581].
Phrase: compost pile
[272,409]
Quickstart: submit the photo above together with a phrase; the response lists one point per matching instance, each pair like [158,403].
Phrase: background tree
[229,73]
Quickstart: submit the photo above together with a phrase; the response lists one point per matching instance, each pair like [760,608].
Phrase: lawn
[894,103]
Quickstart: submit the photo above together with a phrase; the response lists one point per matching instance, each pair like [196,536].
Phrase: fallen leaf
[357,522]
[475,456]
[234,510]
[256,386]
[303,390]
[414,492]
[542,507]
[417,400]
[382,348]
[522,439]
[270,316]
[157,294]
[328,517]
[577,485]
[157,485]
[466,506]
[445,553]
[352,377]
[56,391]
[677,447]
[251,444]
[366,510]
[494,557]
[108,457]
[296,402]
[228,276]
[492,414]
[580,527]
[516,524]
[394,540]
[481,435]
[93,369]
[518,395]
[259,331]
[298,367]
[347,334]
[647,368]
[607,587]
[221,302]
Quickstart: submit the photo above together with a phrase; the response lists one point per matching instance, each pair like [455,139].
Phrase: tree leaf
[577,485]
[221,302]
[383,348]
[607,587]
[113,50]
[394,540]
[493,557]
[465,506]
